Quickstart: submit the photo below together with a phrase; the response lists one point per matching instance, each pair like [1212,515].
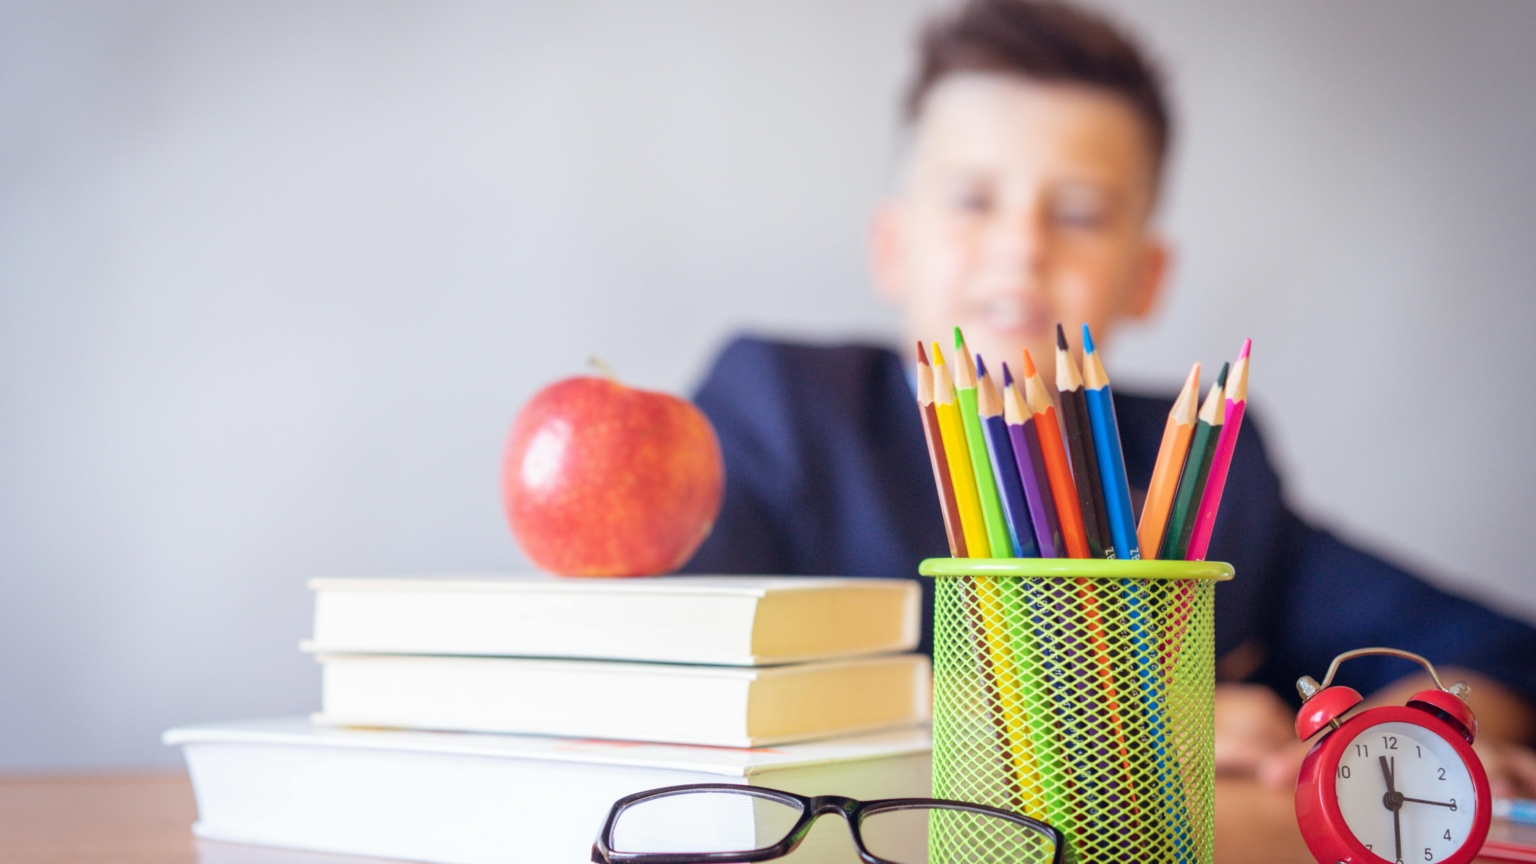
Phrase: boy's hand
[1252,724]
[1511,768]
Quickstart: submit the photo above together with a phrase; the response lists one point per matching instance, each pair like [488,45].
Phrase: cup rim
[1075,568]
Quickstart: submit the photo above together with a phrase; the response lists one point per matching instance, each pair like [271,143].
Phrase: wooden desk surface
[145,819]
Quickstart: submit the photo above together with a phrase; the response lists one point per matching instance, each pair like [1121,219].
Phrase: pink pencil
[1221,461]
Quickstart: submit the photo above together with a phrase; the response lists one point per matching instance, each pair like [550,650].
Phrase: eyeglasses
[714,823]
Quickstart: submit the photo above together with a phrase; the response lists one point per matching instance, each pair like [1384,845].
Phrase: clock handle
[1323,704]
[1458,688]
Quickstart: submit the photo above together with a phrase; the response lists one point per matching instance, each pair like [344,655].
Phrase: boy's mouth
[1016,317]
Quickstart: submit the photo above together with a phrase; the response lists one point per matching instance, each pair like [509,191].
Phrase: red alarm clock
[1399,785]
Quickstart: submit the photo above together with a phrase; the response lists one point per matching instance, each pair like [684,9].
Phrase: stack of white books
[496,719]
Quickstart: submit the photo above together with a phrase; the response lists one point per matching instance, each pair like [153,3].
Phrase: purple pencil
[1031,462]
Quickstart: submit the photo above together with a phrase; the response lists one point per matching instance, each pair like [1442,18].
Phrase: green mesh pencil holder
[1078,692]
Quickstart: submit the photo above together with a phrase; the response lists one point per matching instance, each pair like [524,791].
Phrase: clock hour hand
[1386,771]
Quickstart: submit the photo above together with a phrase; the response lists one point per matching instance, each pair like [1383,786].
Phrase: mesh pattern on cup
[1085,703]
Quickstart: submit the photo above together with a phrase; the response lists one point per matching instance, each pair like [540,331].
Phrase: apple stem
[597,363]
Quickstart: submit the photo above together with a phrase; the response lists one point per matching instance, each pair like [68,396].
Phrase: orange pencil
[936,456]
[1057,469]
[1170,462]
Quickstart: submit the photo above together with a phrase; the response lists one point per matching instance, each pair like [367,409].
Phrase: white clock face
[1405,793]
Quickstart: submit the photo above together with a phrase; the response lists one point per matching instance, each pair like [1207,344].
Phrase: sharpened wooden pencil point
[957,454]
[1236,401]
[981,464]
[1171,456]
[937,459]
[1079,440]
[1197,467]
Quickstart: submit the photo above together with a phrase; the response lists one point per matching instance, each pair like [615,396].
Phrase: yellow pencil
[984,594]
[957,453]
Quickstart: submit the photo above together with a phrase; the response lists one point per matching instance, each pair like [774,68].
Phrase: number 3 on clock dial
[1434,793]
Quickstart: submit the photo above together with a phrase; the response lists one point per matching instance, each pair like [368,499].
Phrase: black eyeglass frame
[853,811]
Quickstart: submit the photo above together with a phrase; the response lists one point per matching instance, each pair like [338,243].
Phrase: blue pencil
[1165,782]
[989,406]
[1106,440]
[1515,810]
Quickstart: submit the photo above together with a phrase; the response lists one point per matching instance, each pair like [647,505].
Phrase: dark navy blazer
[827,474]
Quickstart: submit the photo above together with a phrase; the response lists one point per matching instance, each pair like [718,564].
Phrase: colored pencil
[1021,615]
[1150,723]
[1210,501]
[978,597]
[997,599]
[981,464]
[1106,440]
[1186,501]
[983,595]
[1085,463]
[957,453]
[1170,462]
[1031,462]
[989,406]
[1058,470]
[936,458]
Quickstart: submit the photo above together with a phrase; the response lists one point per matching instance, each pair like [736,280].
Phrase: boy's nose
[1021,238]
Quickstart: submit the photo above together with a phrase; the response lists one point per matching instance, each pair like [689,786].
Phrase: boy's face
[1024,204]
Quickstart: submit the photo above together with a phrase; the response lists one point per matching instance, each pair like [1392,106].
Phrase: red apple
[605,480]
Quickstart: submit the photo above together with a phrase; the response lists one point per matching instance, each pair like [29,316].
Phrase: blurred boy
[1039,135]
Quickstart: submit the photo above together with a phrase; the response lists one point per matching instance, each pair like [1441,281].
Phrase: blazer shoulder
[752,358]
[755,377]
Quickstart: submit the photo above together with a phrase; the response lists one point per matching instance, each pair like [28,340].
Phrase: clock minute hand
[1436,803]
[1393,801]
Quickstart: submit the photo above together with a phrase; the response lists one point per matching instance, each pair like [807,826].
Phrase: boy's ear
[1155,263]
[887,251]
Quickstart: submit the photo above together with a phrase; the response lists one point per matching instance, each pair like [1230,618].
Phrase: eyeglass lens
[724,821]
[943,836]
[713,821]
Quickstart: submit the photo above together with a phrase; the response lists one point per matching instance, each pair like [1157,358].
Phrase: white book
[458,798]
[727,706]
[735,620]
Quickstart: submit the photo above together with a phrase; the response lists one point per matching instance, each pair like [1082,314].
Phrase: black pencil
[1085,462]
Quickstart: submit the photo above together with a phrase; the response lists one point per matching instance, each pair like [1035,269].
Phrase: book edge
[736,586]
[918,739]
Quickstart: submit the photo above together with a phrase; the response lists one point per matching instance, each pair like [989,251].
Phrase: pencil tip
[922,356]
[1087,340]
[938,356]
[1061,337]
[1221,377]
[959,339]
[1243,355]
[1029,365]
[1007,376]
[981,366]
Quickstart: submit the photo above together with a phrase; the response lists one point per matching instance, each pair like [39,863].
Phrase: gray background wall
[274,278]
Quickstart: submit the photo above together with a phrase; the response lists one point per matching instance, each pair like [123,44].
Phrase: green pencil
[1186,501]
[981,463]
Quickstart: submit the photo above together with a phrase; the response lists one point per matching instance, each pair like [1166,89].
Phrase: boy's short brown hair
[1043,41]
